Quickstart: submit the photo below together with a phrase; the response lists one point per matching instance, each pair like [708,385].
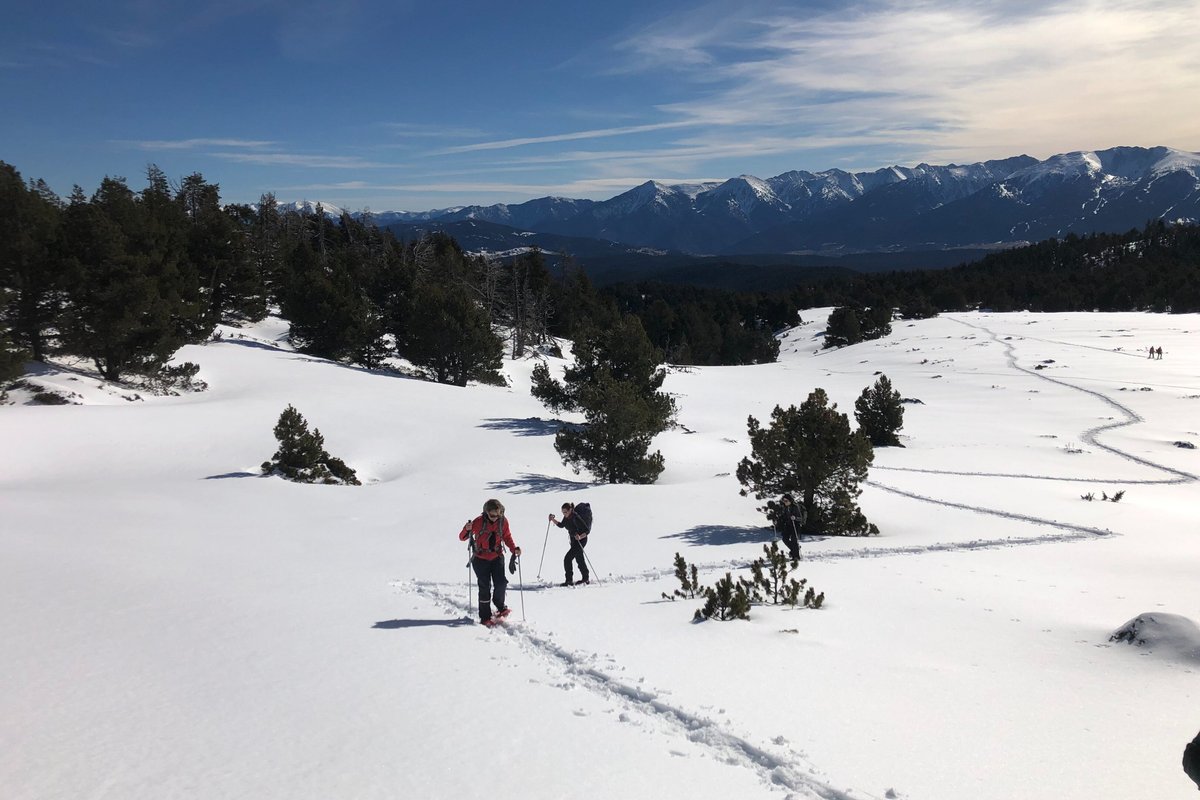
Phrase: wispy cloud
[300,160]
[419,131]
[566,137]
[51,55]
[192,144]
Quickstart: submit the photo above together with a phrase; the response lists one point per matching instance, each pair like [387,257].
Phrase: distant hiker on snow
[578,529]
[489,534]
[1158,353]
[790,521]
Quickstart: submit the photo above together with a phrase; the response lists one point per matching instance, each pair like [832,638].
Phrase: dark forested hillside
[1153,269]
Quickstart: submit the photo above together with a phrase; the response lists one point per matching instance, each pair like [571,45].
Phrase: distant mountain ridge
[987,204]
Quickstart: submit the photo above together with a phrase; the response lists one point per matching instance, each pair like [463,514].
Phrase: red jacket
[489,537]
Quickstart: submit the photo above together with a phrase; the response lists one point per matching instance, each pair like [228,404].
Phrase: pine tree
[159,238]
[329,311]
[301,456]
[614,441]
[267,245]
[615,382]
[811,453]
[843,328]
[448,334]
[852,324]
[689,580]
[12,360]
[528,301]
[30,264]
[218,246]
[727,600]
[772,575]
[576,305]
[880,413]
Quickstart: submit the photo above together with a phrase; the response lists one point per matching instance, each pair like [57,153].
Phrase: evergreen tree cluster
[703,326]
[810,453]
[729,598]
[1156,268]
[117,279]
[124,278]
[853,324]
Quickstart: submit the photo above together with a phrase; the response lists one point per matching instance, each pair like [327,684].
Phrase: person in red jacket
[489,534]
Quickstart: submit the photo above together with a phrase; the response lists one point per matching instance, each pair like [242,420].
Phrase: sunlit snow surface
[176,626]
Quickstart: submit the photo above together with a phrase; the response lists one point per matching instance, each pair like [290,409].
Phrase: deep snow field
[175,625]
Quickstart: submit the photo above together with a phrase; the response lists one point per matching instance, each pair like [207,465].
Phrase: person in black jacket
[790,520]
[1191,760]
[577,531]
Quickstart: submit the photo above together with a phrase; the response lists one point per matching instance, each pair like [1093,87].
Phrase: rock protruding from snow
[1170,635]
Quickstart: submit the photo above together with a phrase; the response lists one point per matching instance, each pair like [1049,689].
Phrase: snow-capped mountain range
[985,204]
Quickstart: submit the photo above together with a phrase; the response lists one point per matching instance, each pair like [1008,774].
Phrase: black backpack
[584,512]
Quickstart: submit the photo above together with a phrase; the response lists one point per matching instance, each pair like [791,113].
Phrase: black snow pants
[787,532]
[575,554]
[492,583]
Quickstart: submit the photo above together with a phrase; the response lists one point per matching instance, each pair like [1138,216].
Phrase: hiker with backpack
[791,518]
[489,534]
[578,522]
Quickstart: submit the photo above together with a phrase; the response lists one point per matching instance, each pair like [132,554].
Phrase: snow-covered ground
[176,626]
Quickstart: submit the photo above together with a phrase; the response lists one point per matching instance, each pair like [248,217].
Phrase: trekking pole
[521,578]
[468,581]
[591,566]
[470,558]
[543,558]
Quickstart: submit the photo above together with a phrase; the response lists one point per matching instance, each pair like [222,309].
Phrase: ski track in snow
[1091,435]
[782,769]
[787,770]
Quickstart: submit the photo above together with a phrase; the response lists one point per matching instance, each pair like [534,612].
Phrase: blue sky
[409,105]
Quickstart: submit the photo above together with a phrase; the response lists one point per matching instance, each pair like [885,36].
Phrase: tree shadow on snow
[257,344]
[233,475]
[537,484]
[530,426]
[392,624]
[383,372]
[723,534]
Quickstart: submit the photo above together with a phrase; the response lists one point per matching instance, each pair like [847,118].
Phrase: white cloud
[566,137]
[192,144]
[936,78]
[300,160]
[416,130]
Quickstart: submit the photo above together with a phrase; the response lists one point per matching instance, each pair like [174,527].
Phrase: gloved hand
[551,518]
[512,563]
